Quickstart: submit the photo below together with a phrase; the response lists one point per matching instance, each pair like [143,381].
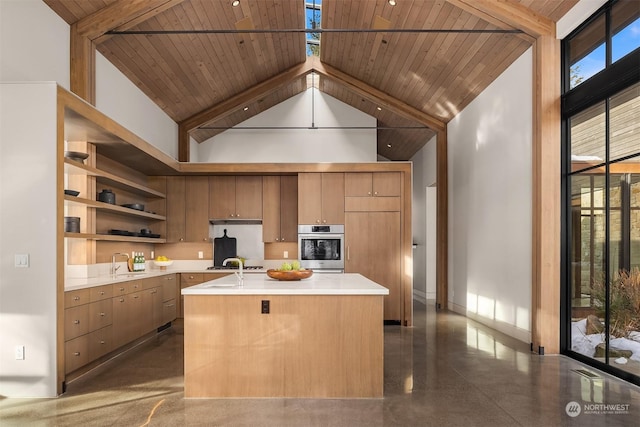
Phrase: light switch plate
[21,260]
[200,254]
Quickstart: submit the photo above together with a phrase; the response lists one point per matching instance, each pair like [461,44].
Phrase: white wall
[490,203]
[297,145]
[120,99]
[28,226]
[424,176]
[34,43]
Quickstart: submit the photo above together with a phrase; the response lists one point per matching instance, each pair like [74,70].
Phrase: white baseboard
[506,328]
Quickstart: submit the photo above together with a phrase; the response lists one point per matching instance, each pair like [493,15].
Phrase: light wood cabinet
[187,209]
[176,209]
[87,325]
[235,197]
[279,208]
[321,198]
[373,246]
[372,184]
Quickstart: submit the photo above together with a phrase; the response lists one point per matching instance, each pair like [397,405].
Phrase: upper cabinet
[280,208]
[187,209]
[321,198]
[235,197]
[375,184]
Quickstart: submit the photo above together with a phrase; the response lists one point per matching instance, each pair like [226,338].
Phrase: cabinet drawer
[76,321]
[127,287]
[190,279]
[100,314]
[100,342]
[75,298]
[76,353]
[101,292]
[169,289]
[169,311]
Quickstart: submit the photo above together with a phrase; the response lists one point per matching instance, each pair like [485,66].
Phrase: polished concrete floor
[445,371]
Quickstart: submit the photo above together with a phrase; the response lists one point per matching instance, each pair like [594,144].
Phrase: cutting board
[224,247]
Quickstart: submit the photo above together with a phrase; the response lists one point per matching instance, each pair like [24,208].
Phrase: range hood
[235,221]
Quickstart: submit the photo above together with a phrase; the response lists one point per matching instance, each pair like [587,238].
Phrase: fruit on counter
[292,266]
[162,258]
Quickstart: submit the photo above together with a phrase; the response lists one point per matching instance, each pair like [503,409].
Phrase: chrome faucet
[114,269]
[238,275]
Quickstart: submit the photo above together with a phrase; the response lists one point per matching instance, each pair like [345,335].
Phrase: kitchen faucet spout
[114,269]
[239,274]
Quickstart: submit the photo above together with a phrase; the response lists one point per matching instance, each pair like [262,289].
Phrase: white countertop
[72,284]
[318,284]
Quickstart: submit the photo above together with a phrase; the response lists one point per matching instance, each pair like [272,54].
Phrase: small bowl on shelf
[163,264]
[76,155]
[289,275]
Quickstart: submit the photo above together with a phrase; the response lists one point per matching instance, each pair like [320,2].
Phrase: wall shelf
[73,167]
[120,210]
[113,238]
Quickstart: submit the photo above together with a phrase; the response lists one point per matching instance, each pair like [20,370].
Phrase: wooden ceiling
[421,61]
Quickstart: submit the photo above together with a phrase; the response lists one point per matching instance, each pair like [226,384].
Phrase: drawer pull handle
[77,353]
[121,299]
[135,296]
[102,342]
[121,289]
[170,305]
[102,315]
[76,322]
[76,298]
[101,292]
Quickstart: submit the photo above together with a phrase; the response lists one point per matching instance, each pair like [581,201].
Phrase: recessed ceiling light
[389,145]
[235,3]
[379,108]
[245,108]
[392,2]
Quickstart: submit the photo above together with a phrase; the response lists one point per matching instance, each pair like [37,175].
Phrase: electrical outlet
[19,352]
[200,254]
[285,254]
[265,306]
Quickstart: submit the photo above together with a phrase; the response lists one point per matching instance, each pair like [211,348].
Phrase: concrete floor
[446,371]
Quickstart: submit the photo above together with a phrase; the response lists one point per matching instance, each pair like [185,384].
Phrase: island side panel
[307,346]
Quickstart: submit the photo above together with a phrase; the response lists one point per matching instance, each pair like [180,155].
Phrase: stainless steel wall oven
[321,247]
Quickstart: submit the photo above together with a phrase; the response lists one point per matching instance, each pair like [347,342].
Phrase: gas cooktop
[232,267]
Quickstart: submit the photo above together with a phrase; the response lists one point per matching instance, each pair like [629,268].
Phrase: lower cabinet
[102,319]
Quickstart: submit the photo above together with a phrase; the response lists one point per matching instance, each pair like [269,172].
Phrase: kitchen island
[320,337]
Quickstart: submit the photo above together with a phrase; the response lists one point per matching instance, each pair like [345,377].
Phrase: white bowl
[163,263]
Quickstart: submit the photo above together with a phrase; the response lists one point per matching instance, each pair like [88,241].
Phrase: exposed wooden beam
[508,14]
[121,15]
[545,299]
[442,221]
[83,66]
[227,107]
[376,95]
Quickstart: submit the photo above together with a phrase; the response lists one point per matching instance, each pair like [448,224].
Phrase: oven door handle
[321,236]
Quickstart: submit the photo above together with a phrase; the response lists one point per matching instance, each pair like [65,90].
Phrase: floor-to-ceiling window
[601,190]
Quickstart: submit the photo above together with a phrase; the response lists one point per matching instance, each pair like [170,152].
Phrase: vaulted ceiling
[413,66]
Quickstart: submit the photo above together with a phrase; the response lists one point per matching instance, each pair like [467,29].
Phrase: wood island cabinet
[280,208]
[321,198]
[235,197]
[187,209]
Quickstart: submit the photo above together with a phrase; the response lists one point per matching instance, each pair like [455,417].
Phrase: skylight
[313,15]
